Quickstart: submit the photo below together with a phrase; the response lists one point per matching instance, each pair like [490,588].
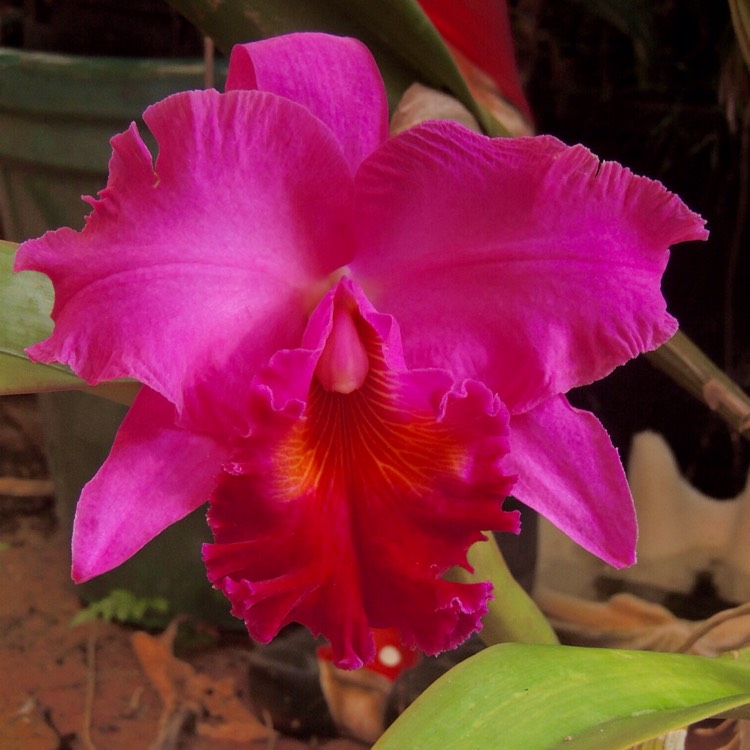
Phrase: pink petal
[343,511]
[569,472]
[521,262]
[333,77]
[198,269]
[155,475]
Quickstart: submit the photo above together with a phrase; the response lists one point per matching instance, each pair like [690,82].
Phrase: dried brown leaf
[626,621]
[192,697]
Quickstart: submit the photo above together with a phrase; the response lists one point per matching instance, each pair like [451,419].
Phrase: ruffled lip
[343,511]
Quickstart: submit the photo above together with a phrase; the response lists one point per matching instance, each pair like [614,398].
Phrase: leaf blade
[543,697]
[24,319]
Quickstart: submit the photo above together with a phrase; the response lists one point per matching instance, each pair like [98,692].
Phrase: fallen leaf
[27,729]
[670,741]
[726,735]
[356,699]
[192,698]
[626,621]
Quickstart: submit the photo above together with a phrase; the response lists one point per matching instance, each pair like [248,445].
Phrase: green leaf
[527,697]
[24,319]
[408,35]
[27,301]
[404,42]
[512,615]
[123,606]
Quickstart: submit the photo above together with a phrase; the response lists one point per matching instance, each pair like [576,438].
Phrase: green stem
[688,366]
[513,615]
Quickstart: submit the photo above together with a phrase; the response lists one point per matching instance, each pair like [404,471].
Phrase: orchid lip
[345,514]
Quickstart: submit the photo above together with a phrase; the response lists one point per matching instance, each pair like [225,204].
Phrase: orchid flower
[353,346]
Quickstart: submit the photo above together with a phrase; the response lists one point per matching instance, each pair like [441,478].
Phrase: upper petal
[569,471]
[155,475]
[335,78]
[205,260]
[523,262]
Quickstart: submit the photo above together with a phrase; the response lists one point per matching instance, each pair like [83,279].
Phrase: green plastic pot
[57,114]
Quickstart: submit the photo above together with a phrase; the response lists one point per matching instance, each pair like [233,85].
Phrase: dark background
[660,86]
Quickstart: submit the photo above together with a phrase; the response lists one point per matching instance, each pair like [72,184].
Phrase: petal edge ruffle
[521,262]
[196,269]
[337,501]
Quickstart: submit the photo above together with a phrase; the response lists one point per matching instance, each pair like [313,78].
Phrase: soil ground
[83,687]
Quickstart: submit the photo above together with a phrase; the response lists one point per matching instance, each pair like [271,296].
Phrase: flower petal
[336,78]
[570,473]
[122,507]
[201,264]
[521,262]
[341,506]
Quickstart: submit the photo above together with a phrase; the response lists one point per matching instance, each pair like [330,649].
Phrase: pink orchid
[252,280]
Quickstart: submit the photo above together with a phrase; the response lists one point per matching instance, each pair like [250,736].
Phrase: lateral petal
[155,475]
[335,78]
[202,264]
[569,471]
[522,262]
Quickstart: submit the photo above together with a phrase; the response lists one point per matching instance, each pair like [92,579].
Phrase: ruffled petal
[206,260]
[569,472]
[335,78]
[155,475]
[521,262]
[343,511]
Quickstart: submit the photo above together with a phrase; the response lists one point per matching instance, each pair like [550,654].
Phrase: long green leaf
[404,42]
[24,319]
[406,32]
[526,697]
[26,304]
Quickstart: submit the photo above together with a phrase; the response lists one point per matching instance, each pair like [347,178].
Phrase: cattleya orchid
[354,346]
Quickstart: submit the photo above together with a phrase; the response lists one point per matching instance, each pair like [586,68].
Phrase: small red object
[391,656]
